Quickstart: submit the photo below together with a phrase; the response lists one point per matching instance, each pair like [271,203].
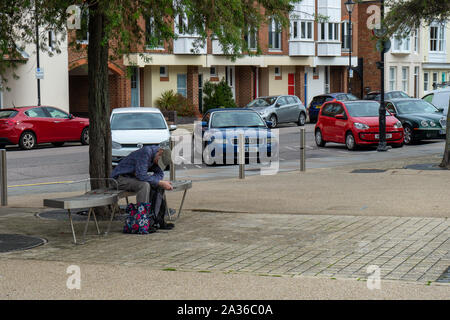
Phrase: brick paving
[409,249]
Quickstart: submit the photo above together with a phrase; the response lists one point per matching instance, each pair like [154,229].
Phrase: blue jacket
[138,163]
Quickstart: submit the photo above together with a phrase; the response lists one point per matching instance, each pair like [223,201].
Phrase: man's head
[162,157]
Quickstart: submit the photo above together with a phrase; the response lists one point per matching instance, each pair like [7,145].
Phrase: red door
[291,84]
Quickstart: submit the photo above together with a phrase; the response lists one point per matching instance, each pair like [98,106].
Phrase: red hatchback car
[29,126]
[355,123]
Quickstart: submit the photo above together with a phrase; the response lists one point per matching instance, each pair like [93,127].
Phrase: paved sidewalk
[317,226]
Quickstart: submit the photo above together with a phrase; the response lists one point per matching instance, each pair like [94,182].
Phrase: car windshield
[4,114]
[364,109]
[373,96]
[351,97]
[415,106]
[262,102]
[230,119]
[396,94]
[137,121]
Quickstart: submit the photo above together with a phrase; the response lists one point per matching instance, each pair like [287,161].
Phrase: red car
[29,126]
[355,123]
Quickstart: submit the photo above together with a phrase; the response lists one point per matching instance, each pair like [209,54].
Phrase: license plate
[442,132]
[251,149]
[388,136]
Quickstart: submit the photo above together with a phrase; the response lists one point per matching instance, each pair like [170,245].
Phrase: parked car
[30,126]
[420,119]
[133,128]
[355,123]
[376,95]
[439,98]
[280,109]
[318,101]
[220,128]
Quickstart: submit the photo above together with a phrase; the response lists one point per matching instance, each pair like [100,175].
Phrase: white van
[439,98]
[133,128]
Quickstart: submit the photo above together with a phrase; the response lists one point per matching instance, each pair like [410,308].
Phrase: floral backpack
[140,219]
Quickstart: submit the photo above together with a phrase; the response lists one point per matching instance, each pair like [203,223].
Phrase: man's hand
[166,185]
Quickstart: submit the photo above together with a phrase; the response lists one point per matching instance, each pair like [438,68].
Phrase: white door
[231,77]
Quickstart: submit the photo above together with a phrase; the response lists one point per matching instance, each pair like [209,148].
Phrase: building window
[392,78]
[277,71]
[163,72]
[153,39]
[416,41]
[51,40]
[82,34]
[426,81]
[437,38]
[435,79]
[345,36]
[302,30]
[401,44]
[251,38]
[405,75]
[274,35]
[182,84]
[329,31]
[212,72]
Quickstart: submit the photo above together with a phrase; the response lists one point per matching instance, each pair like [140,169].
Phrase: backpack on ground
[140,219]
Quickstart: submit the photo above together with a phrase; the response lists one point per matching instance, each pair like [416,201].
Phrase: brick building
[307,59]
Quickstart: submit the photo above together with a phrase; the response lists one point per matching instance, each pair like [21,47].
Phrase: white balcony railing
[329,48]
[186,45]
[301,48]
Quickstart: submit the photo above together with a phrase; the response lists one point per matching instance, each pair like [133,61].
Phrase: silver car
[280,109]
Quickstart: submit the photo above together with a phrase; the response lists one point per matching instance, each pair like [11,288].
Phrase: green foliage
[171,101]
[217,95]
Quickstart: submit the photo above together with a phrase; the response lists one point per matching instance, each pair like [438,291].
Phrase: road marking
[40,184]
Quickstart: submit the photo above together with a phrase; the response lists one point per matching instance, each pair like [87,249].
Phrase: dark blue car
[221,129]
[317,102]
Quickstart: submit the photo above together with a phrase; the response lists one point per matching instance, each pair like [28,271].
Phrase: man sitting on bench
[132,175]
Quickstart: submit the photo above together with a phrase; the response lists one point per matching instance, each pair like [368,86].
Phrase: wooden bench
[109,198]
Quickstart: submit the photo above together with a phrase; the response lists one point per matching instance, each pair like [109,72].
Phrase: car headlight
[398,125]
[361,126]
[432,124]
[423,123]
[116,145]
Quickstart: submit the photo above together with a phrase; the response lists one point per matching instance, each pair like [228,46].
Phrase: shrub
[171,101]
[217,95]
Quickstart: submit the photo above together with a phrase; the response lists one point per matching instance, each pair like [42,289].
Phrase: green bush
[171,101]
[217,95]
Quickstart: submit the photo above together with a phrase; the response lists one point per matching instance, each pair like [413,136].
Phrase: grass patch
[169,269]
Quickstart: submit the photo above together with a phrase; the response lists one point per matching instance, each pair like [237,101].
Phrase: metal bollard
[302,149]
[4,180]
[241,154]
[172,165]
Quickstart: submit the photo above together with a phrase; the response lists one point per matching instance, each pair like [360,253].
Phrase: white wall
[54,86]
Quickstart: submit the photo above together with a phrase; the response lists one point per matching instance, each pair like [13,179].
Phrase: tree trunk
[446,159]
[99,109]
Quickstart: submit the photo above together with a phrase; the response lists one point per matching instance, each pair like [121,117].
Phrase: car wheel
[319,140]
[85,136]
[409,135]
[301,119]
[58,144]
[274,120]
[27,140]
[350,141]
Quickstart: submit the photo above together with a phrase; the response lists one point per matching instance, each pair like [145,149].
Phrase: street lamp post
[349,5]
